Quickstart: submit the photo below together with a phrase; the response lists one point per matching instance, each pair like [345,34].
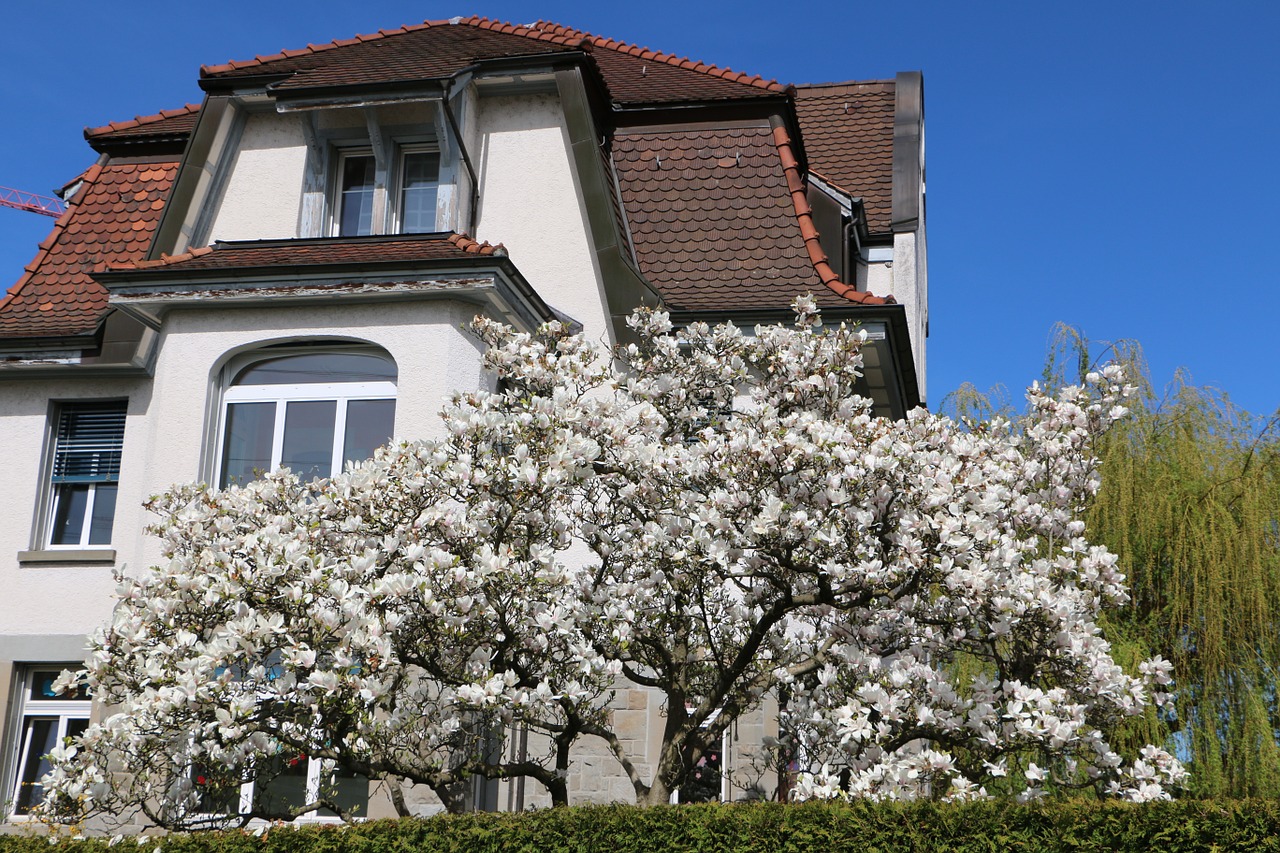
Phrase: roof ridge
[834,83]
[471,246]
[262,59]
[139,121]
[809,231]
[458,240]
[88,177]
[163,261]
[539,30]
[561,32]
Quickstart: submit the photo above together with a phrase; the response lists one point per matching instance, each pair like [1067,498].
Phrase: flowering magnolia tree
[712,515]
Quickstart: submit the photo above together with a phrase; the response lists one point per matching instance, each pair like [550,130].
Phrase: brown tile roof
[804,214]
[691,198]
[179,122]
[436,49]
[111,220]
[321,251]
[715,221]
[848,137]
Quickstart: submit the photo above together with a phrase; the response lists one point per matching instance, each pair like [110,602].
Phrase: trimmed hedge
[1240,825]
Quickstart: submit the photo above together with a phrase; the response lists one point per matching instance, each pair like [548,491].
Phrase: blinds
[89,440]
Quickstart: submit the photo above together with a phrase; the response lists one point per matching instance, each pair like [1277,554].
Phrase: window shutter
[89,441]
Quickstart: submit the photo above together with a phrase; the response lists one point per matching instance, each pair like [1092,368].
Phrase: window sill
[68,555]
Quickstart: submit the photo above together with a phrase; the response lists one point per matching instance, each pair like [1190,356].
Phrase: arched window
[311,410]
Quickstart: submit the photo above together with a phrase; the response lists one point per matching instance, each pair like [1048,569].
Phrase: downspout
[466,158]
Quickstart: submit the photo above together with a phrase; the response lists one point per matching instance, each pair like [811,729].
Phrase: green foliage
[1190,502]
[861,827]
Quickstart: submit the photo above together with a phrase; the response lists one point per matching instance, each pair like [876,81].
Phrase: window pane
[104,511]
[42,687]
[89,442]
[420,184]
[347,790]
[308,438]
[69,503]
[369,425]
[318,367]
[246,449]
[218,796]
[356,202]
[280,795]
[39,737]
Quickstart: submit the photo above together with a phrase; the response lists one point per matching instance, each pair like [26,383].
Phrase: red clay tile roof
[179,122]
[437,49]
[714,219]
[848,138]
[691,197]
[321,251]
[111,220]
[804,213]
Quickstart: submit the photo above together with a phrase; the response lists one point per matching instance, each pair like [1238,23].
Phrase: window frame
[396,187]
[47,503]
[387,217]
[341,393]
[338,195]
[18,742]
[244,799]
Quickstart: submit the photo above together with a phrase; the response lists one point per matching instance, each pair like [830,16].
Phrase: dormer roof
[442,49]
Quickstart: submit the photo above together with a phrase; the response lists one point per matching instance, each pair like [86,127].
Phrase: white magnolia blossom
[713,515]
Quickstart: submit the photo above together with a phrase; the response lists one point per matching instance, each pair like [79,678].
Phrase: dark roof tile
[437,49]
[179,122]
[325,251]
[848,138]
[111,220]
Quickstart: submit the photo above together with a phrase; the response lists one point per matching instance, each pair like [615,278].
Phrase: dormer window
[408,205]
[419,190]
[355,195]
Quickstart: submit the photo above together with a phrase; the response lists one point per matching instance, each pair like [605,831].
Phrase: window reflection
[309,412]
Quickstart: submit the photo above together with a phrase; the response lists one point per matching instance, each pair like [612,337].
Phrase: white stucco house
[279,275]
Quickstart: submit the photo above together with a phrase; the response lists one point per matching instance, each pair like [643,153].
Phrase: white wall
[43,599]
[172,423]
[264,188]
[531,202]
[910,288]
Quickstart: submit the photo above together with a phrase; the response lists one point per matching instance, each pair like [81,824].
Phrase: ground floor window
[290,782]
[44,720]
[309,411]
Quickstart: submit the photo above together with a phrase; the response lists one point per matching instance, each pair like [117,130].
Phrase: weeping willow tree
[1190,502]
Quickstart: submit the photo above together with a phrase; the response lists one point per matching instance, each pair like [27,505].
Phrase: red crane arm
[30,201]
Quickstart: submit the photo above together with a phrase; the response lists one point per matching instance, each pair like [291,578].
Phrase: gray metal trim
[219,179]
[908,139]
[67,555]
[43,648]
[187,181]
[36,370]
[624,289]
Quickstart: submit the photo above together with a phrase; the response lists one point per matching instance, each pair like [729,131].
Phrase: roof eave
[148,294]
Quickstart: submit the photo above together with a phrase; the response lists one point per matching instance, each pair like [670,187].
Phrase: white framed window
[292,782]
[353,208]
[309,411]
[88,439]
[418,175]
[44,720]
[407,206]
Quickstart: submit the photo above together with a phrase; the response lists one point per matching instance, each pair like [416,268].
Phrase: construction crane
[41,204]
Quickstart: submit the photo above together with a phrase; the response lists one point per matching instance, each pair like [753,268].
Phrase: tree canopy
[1190,505]
[709,514]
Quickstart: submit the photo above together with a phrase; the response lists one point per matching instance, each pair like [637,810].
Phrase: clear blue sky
[1111,165]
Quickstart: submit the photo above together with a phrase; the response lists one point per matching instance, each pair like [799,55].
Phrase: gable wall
[531,201]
